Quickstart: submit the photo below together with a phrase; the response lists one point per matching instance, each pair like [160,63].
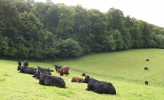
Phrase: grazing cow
[57,67]
[64,70]
[25,63]
[147,59]
[99,86]
[51,80]
[146,68]
[76,79]
[146,82]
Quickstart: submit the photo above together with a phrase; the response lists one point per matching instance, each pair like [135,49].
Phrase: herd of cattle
[46,78]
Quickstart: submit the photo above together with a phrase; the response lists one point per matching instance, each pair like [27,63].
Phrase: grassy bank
[124,69]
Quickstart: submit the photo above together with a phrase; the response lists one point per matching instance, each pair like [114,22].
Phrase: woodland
[48,31]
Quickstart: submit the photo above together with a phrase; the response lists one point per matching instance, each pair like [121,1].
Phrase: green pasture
[124,69]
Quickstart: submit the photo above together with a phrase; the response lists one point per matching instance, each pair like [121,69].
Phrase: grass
[124,69]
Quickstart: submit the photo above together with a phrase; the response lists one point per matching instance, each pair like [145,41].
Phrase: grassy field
[124,69]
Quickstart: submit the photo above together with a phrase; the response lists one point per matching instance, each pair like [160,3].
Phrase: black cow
[146,68]
[25,63]
[30,71]
[99,86]
[146,82]
[45,70]
[21,68]
[51,80]
[147,59]
[35,74]
[57,67]
[27,70]
[48,69]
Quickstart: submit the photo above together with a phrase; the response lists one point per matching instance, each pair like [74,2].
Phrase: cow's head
[19,67]
[57,67]
[86,80]
[25,63]
[83,74]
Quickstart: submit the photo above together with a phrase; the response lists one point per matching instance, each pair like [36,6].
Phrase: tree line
[44,31]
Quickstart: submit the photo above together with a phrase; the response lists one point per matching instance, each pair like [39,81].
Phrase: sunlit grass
[124,69]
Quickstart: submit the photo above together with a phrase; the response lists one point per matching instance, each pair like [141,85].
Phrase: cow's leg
[61,74]
[89,87]
[41,82]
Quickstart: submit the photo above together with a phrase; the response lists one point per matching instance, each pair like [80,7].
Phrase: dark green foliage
[118,39]
[21,6]
[40,31]
[70,48]
[108,44]
[66,21]
[4,46]
[82,28]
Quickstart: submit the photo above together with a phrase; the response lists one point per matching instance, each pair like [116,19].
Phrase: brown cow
[76,79]
[64,70]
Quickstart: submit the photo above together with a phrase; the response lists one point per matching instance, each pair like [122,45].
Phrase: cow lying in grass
[37,73]
[76,79]
[27,70]
[99,86]
[50,80]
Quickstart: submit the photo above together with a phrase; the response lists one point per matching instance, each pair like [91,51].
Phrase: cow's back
[64,70]
[54,81]
[101,87]
[109,88]
[76,79]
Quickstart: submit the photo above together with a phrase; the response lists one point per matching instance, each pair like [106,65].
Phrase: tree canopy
[45,31]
